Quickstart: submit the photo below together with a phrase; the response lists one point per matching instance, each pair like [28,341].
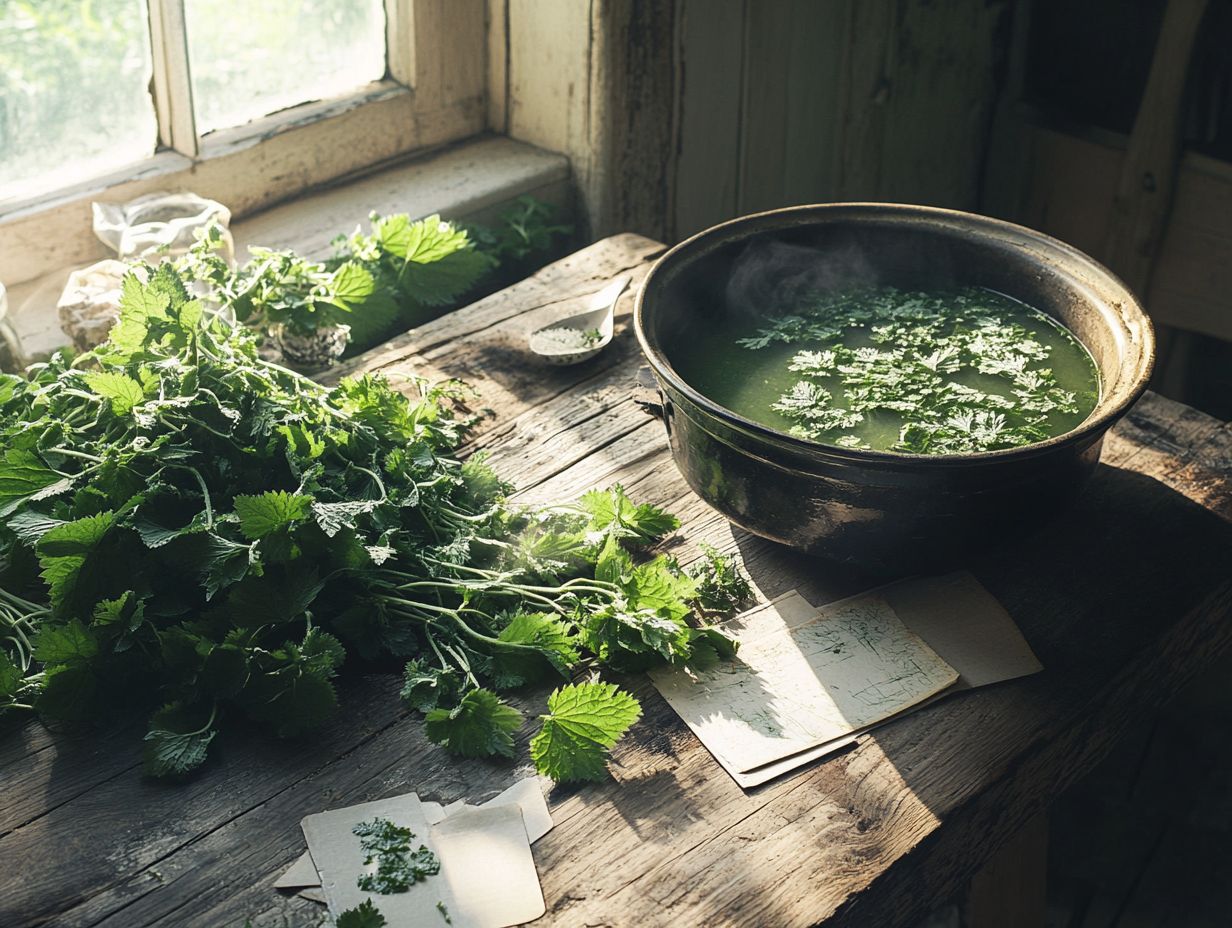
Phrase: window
[251,59]
[244,101]
[73,91]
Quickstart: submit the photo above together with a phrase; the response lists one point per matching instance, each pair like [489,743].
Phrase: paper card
[301,873]
[786,611]
[488,869]
[793,689]
[433,811]
[963,623]
[527,795]
[339,858]
[313,894]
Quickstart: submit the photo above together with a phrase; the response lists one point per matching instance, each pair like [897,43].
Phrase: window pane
[74,91]
[250,58]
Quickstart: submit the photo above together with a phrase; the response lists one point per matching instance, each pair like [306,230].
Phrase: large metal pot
[886,510]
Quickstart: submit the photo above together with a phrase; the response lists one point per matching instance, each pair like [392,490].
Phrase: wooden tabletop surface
[1123,599]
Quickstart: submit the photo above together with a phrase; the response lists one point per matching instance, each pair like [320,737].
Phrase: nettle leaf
[268,513]
[280,594]
[291,700]
[709,645]
[30,527]
[65,550]
[657,587]
[422,241]
[425,687]
[481,725]
[177,741]
[322,651]
[25,478]
[444,280]
[69,693]
[155,534]
[613,513]
[553,640]
[364,915]
[225,671]
[126,611]
[64,643]
[335,517]
[123,392]
[582,724]
[352,285]
[614,563]
[223,563]
[139,306]
[10,677]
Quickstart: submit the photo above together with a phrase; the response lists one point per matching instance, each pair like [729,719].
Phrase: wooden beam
[1148,173]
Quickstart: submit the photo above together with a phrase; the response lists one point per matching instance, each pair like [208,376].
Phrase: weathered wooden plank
[1110,596]
[763,125]
[709,104]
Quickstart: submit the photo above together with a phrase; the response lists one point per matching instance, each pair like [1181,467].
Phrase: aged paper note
[803,684]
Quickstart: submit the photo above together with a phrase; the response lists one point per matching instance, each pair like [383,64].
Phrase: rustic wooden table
[1124,599]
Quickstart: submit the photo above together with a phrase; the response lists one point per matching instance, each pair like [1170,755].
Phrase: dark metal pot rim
[1106,411]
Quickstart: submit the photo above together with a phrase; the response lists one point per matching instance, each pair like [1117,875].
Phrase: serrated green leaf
[270,512]
[65,549]
[481,725]
[322,651]
[655,586]
[123,392]
[30,527]
[446,279]
[364,915]
[280,594]
[225,671]
[613,513]
[10,677]
[69,694]
[125,611]
[614,563]
[177,741]
[422,241]
[25,478]
[351,286]
[291,701]
[555,649]
[582,724]
[336,517]
[425,687]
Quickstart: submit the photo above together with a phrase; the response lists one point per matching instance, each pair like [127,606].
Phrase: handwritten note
[804,683]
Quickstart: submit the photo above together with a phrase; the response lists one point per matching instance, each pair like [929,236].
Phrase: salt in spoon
[581,337]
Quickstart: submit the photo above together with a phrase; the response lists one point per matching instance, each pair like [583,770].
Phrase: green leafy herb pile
[398,867]
[958,368]
[399,274]
[190,530]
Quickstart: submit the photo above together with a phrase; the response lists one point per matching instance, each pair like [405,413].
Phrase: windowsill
[471,180]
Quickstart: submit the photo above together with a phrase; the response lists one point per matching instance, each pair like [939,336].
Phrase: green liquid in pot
[941,371]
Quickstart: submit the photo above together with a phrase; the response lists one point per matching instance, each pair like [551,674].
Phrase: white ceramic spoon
[579,338]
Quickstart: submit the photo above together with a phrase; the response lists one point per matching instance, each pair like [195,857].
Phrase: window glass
[74,91]
[249,58]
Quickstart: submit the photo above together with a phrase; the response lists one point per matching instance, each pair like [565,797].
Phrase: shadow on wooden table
[1124,598]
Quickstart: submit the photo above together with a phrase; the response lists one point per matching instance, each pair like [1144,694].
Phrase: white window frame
[434,91]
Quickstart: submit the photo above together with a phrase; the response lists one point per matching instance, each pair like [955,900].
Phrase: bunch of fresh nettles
[188,528]
[401,273]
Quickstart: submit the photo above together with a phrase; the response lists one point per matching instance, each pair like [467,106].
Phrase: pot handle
[646,393]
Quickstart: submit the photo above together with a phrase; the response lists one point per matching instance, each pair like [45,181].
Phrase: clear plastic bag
[159,225]
[90,303]
[12,359]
